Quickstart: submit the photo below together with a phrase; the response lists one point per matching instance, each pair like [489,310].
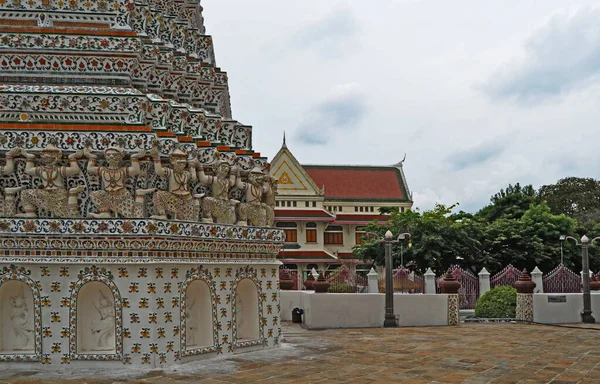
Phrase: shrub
[499,302]
[340,288]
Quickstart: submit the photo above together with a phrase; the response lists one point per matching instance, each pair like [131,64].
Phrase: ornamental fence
[347,280]
[508,276]
[404,281]
[469,286]
[562,280]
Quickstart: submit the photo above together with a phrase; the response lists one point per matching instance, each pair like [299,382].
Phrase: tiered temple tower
[135,220]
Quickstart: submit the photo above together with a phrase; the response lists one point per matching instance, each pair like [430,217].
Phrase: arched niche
[96,320]
[246,311]
[199,332]
[17,318]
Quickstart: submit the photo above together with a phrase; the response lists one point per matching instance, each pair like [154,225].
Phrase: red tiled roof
[358,182]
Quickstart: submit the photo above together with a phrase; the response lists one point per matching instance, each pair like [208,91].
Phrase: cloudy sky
[477,93]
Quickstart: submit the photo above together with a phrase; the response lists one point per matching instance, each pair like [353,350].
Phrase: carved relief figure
[8,207]
[103,329]
[177,201]
[115,199]
[53,195]
[253,211]
[191,321]
[218,205]
[270,187]
[23,328]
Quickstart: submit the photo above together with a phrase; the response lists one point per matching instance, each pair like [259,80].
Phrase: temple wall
[136,313]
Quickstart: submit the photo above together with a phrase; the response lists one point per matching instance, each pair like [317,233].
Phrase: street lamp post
[586,314]
[562,238]
[403,237]
[390,318]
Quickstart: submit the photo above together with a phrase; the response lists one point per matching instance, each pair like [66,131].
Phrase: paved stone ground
[471,353]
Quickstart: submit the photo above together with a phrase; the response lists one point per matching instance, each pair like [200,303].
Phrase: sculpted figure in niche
[23,328]
[178,200]
[253,211]
[191,321]
[269,198]
[103,329]
[53,195]
[115,199]
[218,207]
[8,207]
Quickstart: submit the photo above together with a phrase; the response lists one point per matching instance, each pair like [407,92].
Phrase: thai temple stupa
[135,222]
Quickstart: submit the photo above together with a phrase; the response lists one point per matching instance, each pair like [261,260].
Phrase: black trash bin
[297,315]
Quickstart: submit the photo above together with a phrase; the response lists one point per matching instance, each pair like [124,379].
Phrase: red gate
[562,280]
[469,286]
[507,276]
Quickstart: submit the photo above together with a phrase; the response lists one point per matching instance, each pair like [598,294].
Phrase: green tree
[509,203]
[438,239]
[575,197]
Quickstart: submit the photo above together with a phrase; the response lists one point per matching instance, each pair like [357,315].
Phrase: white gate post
[536,276]
[429,282]
[484,281]
[373,280]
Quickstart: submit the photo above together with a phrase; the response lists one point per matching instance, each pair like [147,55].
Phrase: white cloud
[561,55]
[340,112]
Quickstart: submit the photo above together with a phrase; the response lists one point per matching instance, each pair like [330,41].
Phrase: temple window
[291,231]
[359,233]
[334,235]
[311,232]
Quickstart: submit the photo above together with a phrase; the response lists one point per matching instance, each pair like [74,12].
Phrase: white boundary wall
[562,312]
[363,310]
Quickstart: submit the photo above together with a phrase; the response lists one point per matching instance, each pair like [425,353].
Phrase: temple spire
[284,145]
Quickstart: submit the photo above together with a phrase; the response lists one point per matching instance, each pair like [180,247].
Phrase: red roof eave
[303,215]
[359,219]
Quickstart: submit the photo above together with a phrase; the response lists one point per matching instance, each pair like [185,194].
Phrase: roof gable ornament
[284,145]
[401,163]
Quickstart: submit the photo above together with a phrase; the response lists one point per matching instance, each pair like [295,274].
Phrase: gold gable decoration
[285,179]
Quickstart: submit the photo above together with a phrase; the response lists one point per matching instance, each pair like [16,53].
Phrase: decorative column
[429,282]
[450,286]
[536,277]
[525,287]
[373,281]
[484,281]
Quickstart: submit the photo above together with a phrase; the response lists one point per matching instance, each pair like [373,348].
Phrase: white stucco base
[562,312]
[363,310]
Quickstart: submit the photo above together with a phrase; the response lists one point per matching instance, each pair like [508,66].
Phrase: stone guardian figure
[218,207]
[253,211]
[8,207]
[115,199]
[53,196]
[270,186]
[178,200]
